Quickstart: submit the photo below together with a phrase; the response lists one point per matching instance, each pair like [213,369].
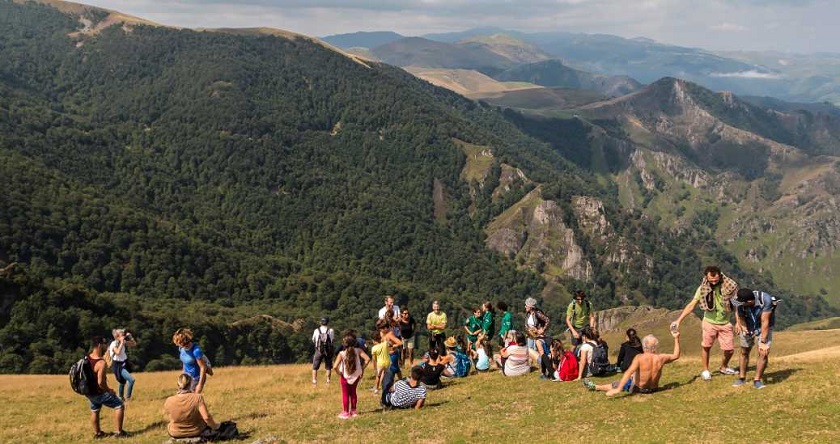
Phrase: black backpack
[81,376]
[599,363]
[325,344]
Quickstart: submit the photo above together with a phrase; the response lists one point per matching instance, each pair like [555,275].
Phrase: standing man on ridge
[714,295]
[389,305]
[579,314]
[436,324]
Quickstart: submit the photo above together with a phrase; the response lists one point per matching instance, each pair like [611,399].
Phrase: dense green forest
[245,185]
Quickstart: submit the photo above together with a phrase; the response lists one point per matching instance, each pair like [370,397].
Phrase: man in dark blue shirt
[755,316]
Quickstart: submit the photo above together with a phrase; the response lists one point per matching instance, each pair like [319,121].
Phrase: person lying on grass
[645,371]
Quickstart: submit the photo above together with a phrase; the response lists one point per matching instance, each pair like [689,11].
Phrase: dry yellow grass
[798,405]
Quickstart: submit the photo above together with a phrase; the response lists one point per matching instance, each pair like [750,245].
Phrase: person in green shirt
[436,324]
[473,327]
[507,321]
[579,314]
[488,320]
[713,296]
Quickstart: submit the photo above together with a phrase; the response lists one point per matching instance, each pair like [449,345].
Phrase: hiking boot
[738,382]
[589,385]
[758,384]
[706,375]
[728,371]
[344,415]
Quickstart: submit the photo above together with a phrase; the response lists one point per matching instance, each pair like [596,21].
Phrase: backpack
[574,309]
[599,363]
[462,365]
[568,370]
[81,376]
[324,344]
[759,301]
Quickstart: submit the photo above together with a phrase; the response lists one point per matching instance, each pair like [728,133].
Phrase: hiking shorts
[627,387]
[409,342]
[747,341]
[327,359]
[723,334]
[107,399]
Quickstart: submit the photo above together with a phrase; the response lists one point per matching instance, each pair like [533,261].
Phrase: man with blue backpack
[755,316]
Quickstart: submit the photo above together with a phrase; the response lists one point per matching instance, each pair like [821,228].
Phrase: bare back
[650,369]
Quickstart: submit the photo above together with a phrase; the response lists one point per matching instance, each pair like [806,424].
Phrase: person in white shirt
[389,305]
[119,361]
[323,337]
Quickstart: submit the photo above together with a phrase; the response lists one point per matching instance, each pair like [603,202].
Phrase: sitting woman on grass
[517,358]
[432,369]
[482,354]
[190,418]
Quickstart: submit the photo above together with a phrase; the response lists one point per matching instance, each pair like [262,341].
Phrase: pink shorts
[723,334]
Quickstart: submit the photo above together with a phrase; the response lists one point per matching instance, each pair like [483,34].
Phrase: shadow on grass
[426,405]
[153,426]
[780,375]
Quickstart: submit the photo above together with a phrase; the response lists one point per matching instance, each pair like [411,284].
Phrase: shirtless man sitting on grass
[643,374]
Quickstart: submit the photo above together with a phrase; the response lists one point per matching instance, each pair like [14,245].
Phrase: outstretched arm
[676,355]
[686,311]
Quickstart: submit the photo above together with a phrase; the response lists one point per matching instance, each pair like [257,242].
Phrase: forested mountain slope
[246,183]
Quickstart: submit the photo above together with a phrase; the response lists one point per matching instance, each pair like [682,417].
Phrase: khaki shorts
[723,334]
[749,341]
[409,342]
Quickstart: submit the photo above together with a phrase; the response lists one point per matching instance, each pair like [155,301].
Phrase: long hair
[633,338]
[349,343]
[182,337]
[488,306]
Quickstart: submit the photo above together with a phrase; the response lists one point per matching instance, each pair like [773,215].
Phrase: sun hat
[530,303]
[450,342]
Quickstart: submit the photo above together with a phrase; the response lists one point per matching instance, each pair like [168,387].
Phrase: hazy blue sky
[786,25]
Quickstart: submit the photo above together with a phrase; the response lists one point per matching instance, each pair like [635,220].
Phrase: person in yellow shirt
[381,359]
[436,324]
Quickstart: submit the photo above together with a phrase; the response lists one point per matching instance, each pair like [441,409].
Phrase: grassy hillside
[280,402]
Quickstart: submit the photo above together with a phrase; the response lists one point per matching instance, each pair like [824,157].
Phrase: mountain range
[247,182]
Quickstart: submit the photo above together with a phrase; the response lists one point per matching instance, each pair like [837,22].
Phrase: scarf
[728,290]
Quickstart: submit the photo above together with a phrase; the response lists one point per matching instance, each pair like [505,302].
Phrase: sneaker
[344,415]
[738,382]
[758,384]
[353,414]
[589,385]
[375,391]
[314,382]
[706,375]
[120,434]
[728,371]
[328,380]
[100,434]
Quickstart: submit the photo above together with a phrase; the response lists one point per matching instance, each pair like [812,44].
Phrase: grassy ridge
[799,404]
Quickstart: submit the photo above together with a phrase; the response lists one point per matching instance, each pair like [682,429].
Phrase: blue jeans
[387,382]
[123,377]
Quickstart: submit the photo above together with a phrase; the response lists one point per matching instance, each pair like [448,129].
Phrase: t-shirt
[383,310]
[404,395]
[483,361]
[380,354]
[436,319]
[316,336]
[507,324]
[587,348]
[122,356]
[431,374]
[579,313]
[189,357]
[488,323]
[752,315]
[344,371]
[626,355]
[517,362]
[473,324]
[185,421]
[407,327]
[719,315]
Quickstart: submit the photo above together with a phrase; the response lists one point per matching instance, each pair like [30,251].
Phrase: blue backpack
[462,365]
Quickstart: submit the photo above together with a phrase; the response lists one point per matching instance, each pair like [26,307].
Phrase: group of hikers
[189,417]
[468,351]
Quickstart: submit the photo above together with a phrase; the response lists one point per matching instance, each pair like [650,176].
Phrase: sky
[803,26]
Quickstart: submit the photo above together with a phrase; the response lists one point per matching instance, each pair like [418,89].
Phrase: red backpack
[568,367]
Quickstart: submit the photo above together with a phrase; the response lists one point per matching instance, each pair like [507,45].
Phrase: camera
[128,337]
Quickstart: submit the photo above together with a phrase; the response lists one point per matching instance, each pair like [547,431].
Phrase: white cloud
[750,74]
[727,27]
